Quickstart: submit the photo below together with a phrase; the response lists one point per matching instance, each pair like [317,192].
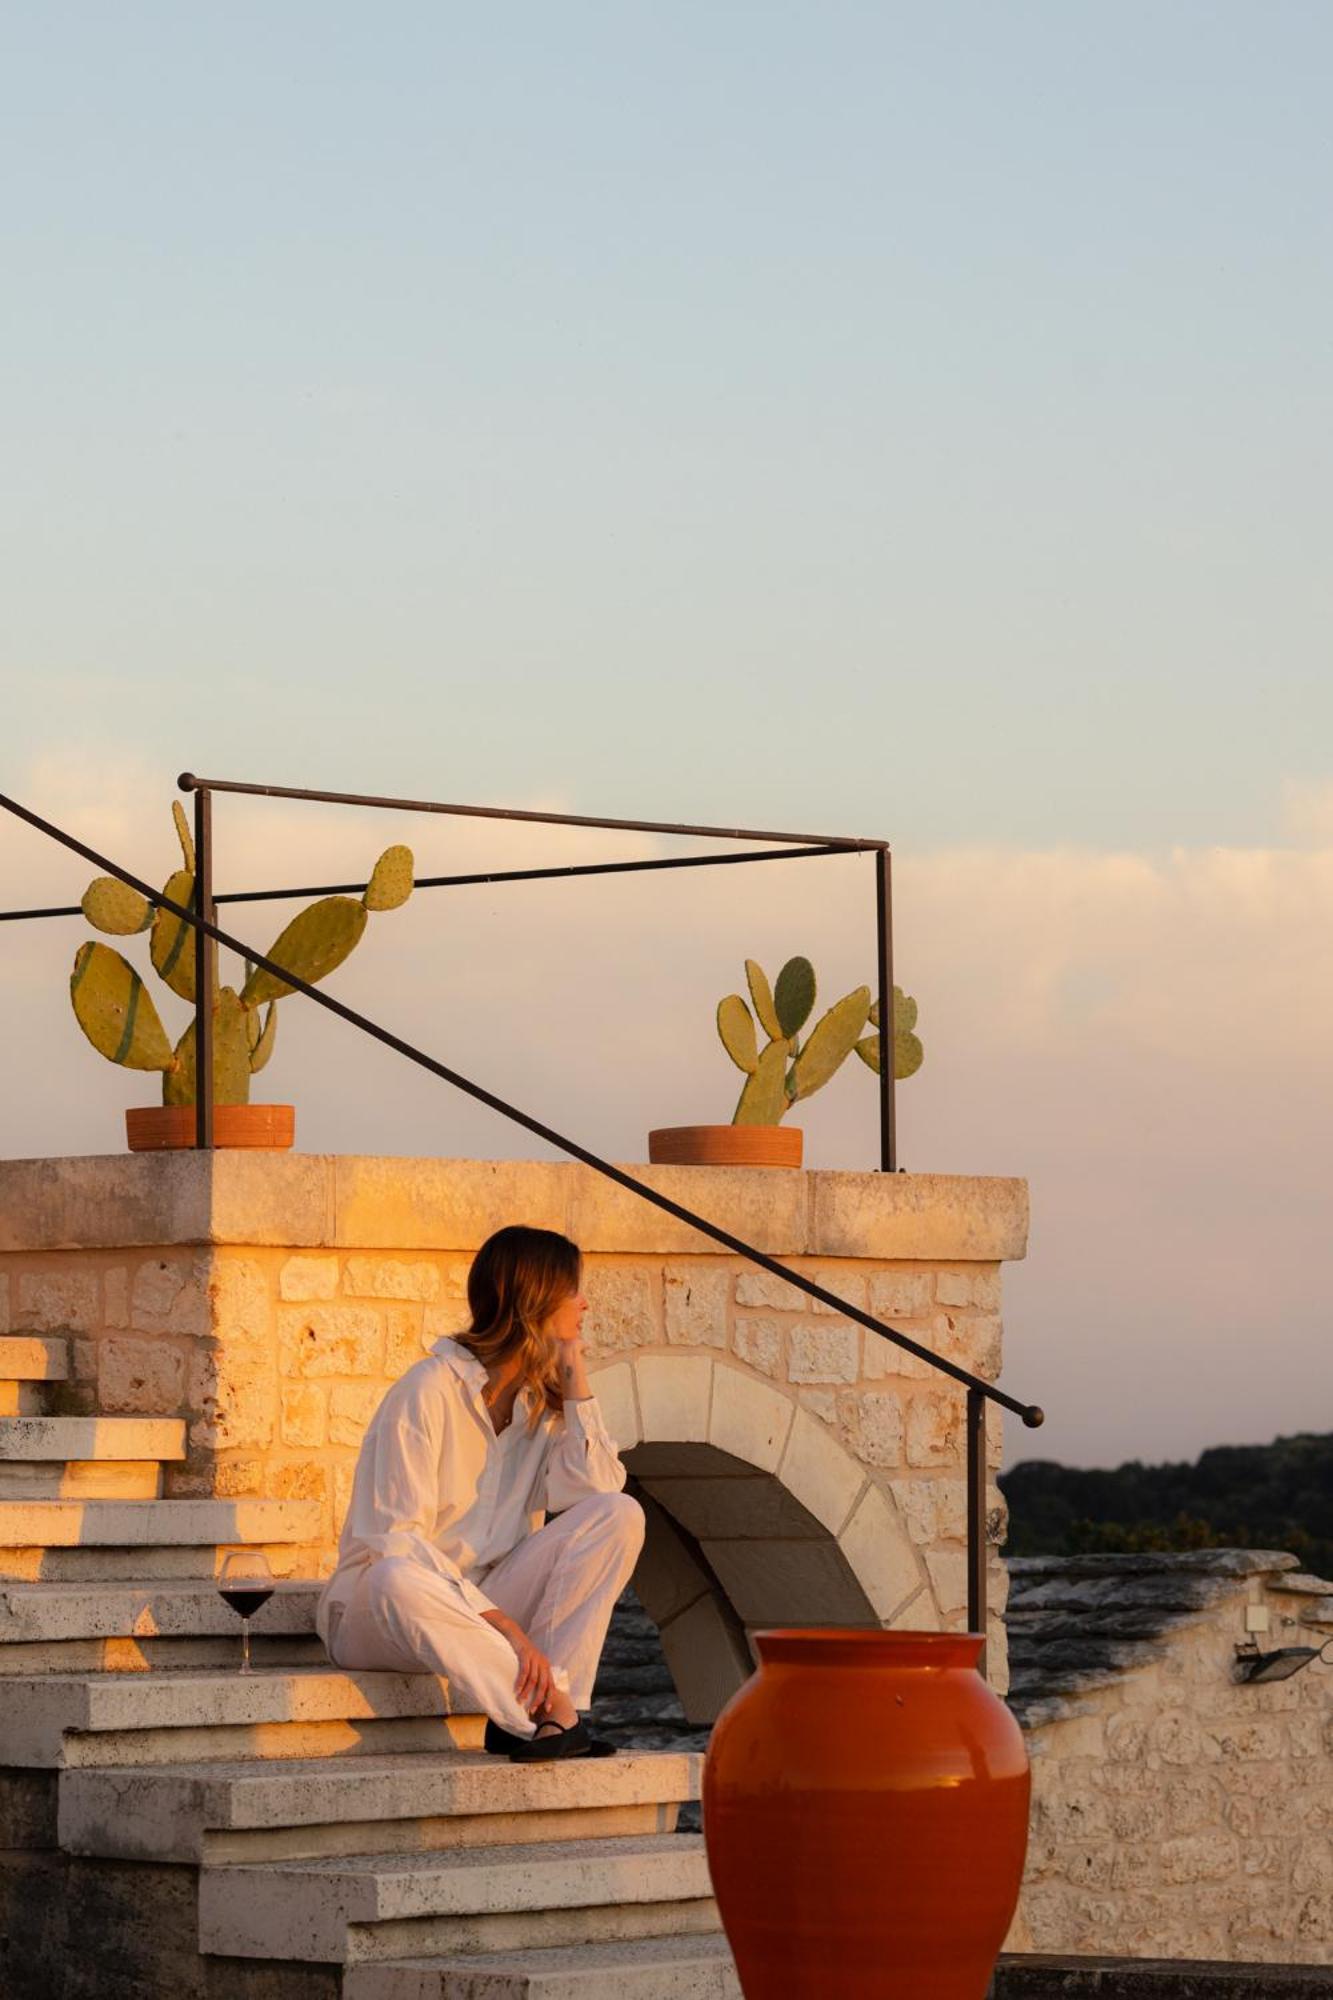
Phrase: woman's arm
[583,1458]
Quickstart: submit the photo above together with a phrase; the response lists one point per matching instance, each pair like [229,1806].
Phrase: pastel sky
[882,419]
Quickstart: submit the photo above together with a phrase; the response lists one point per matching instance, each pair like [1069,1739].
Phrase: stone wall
[1176,1812]
[271,1299]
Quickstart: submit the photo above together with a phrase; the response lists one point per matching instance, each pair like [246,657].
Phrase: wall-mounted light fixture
[1279,1665]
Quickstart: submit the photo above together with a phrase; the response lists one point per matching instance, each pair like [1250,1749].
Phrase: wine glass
[245,1582]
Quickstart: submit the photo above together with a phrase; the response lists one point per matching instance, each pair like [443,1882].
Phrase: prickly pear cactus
[785,1069]
[112,1005]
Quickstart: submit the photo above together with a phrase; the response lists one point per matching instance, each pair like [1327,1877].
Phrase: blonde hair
[517,1280]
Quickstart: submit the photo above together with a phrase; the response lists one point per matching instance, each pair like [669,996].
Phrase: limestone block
[731,1509]
[674,1392]
[304,1418]
[299,1479]
[441,1204]
[84,1355]
[696,1304]
[390,1278]
[975,1287]
[708,1658]
[948,1579]
[846,1281]
[624,1307]
[761,1288]
[140,1376]
[236,1398]
[934,1428]
[303,1279]
[920,1216]
[116,1297]
[824,1403]
[286,1199]
[668,1575]
[933,1510]
[28,1359]
[825,1478]
[870,1423]
[759,1339]
[157,1286]
[761,1205]
[52,1301]
[828,1351]
[896,1295]
[239,1295]
[4,1302]
[331,1340]
[748,1419]
[614,1390]
[443,1321]
[351,1407]
[880,1555]
[404,1342]
[790,1583]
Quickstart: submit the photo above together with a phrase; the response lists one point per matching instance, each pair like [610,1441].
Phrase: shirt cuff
[584,1417]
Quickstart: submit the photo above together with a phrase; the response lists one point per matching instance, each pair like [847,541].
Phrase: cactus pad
[390,883]
[764,1098]
[261,1038]
[114,907]
[830,1043]
[114,1010]
[183,834]
[762,995]
[735,1025]
[312,945]
[908,1054]
[231,1056]
[794,995]
[172,947]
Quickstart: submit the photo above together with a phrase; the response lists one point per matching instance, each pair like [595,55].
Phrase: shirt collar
[464,1363]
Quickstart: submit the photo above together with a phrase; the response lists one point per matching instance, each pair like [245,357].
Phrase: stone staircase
[170,1825]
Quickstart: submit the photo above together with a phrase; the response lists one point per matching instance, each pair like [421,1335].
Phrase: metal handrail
[208,935]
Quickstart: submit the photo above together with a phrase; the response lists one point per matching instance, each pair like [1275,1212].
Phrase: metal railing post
[205,968]
[888,1135]
[976,1519]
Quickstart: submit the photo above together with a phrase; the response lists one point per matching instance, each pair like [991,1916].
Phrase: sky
[867,419]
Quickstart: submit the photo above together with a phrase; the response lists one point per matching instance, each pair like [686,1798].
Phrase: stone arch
[757,1515]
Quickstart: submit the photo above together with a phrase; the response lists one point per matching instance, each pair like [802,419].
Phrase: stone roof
[1076,1622]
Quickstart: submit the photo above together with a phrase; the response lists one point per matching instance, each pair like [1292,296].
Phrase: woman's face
[566,1320]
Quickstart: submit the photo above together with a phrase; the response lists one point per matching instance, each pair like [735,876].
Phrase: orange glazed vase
[865,1811]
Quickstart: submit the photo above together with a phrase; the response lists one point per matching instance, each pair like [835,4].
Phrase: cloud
[1146,1038]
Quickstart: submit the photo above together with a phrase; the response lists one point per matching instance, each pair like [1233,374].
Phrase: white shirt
[434,1483]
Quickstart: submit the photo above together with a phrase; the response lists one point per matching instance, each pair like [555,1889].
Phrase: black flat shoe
[569,1740]
[501,1742]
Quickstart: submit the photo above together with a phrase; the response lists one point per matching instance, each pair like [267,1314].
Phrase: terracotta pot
[865,1810]
[159,1128]
[726,1146]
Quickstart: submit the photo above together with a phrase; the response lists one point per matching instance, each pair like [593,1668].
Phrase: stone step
[144,1656]
[65,1438]
[36,1613]
[650,1968]
[411,1804]
[117,1524]
[380,1906]
[22,1399]
[157,1564]
[1042,1977]
[27,1357]
[67,1721]
[81,1479]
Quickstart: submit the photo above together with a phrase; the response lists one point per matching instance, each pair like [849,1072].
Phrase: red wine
[246,1599]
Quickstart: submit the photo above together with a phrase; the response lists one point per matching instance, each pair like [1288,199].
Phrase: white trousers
[559,1584]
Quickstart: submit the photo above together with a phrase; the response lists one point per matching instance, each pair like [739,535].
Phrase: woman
[444,1566]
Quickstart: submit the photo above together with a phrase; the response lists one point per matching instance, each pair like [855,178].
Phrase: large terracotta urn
[865,1810]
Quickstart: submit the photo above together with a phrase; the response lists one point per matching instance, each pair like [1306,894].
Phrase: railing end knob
[187,782]
[1034,1417]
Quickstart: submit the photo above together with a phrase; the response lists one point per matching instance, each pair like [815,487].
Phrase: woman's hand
[535,1682]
